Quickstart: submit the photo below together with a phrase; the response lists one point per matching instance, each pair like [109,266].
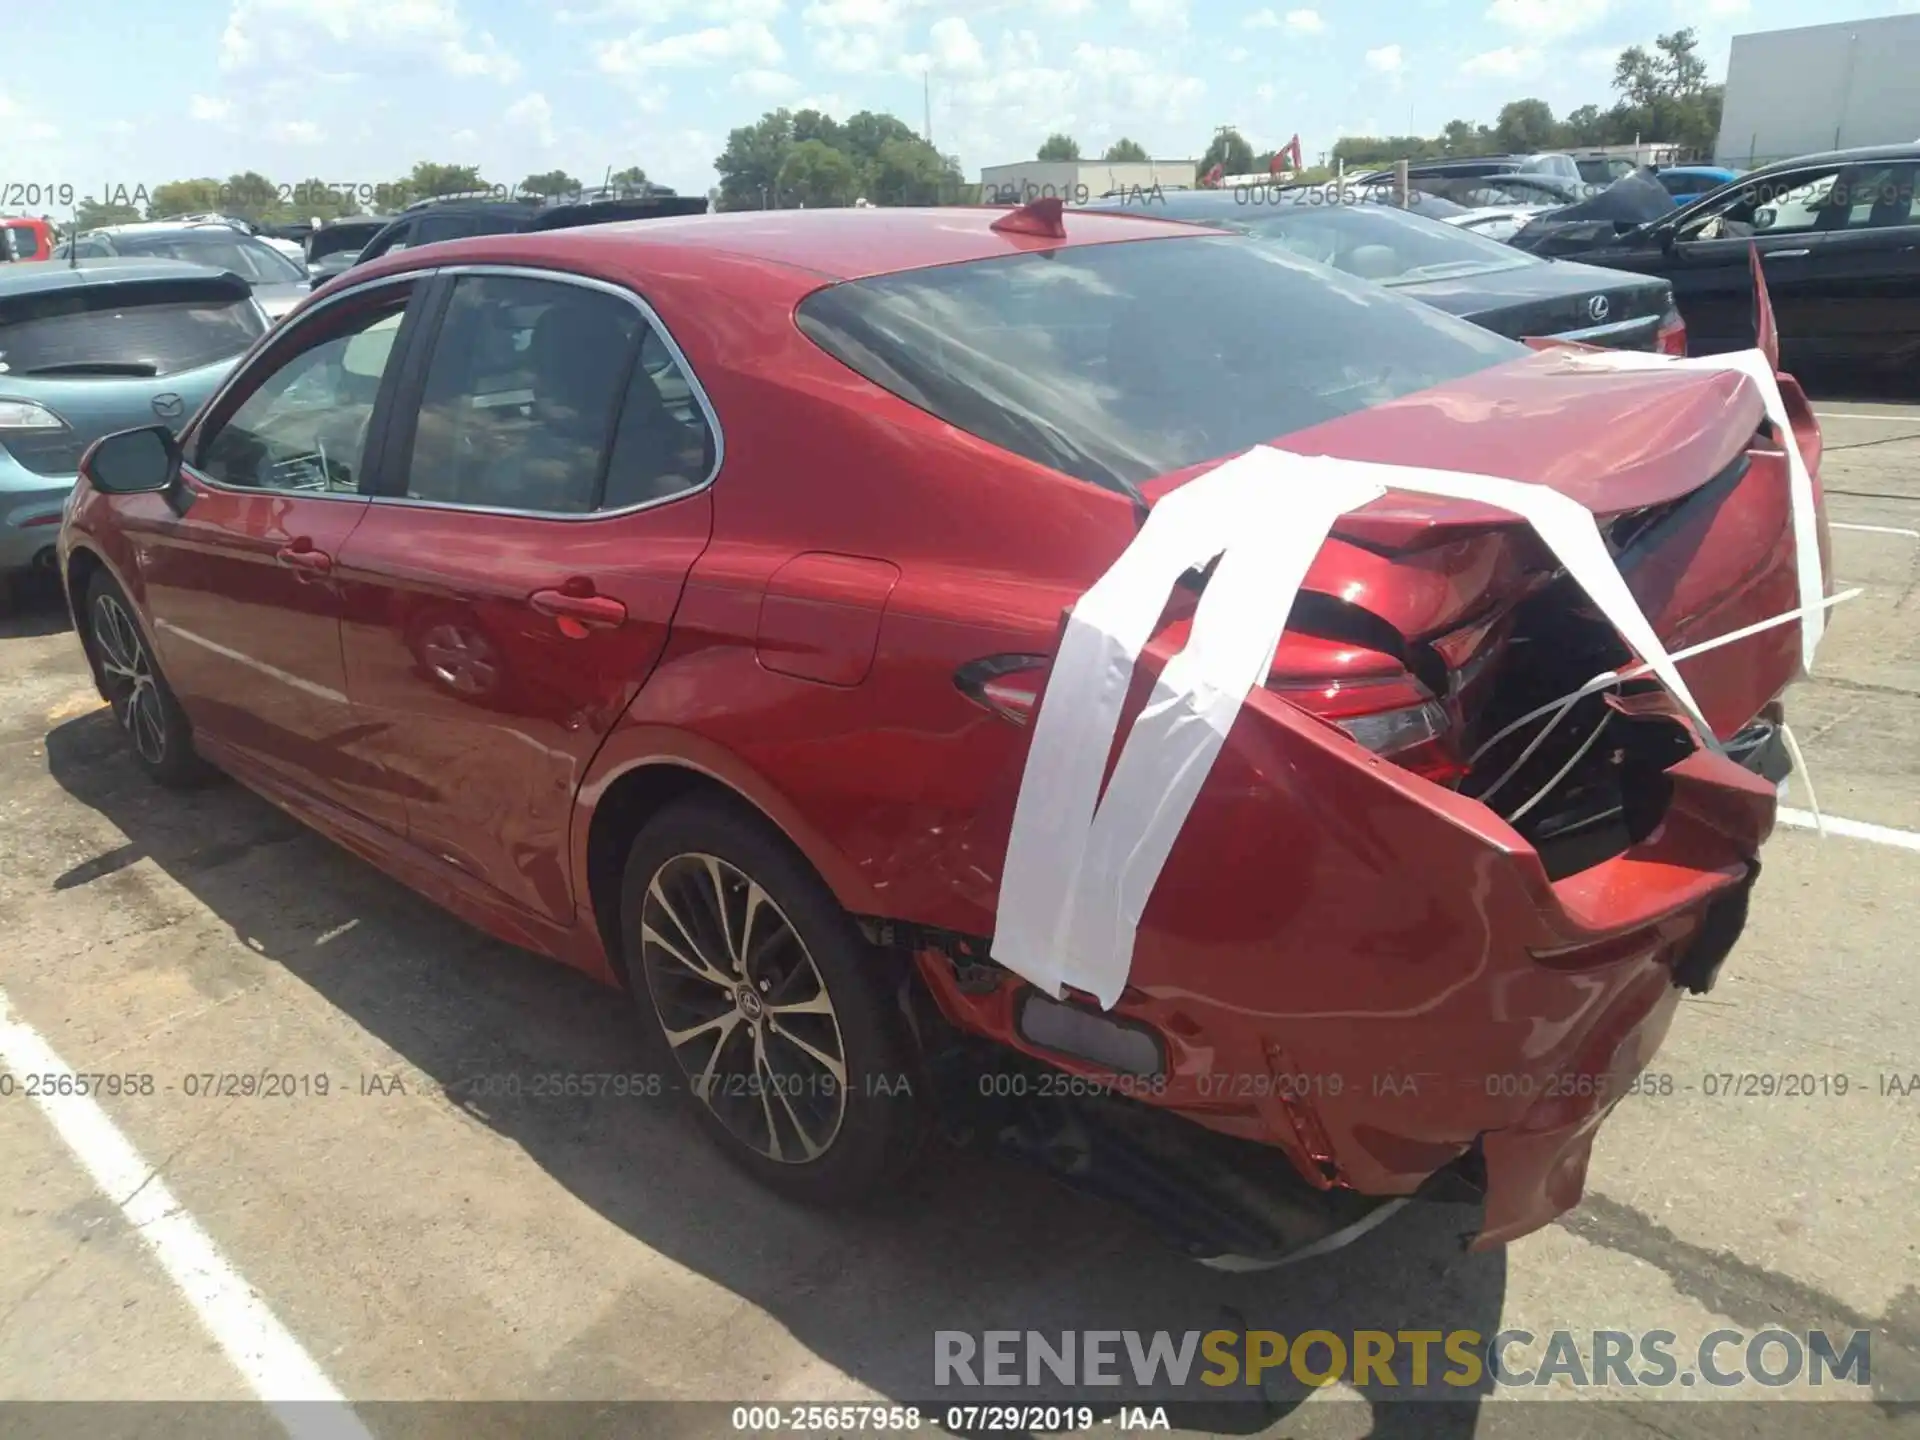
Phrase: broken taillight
[1397,719]
[1671,338]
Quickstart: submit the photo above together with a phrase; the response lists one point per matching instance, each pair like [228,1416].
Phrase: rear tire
[156,727]
[767,1006]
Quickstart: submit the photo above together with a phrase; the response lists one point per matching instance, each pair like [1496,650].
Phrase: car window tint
[155,328]
[521,395]
[305,427]
[1783,205]
[1877,197]
[663,446]
[1117,362]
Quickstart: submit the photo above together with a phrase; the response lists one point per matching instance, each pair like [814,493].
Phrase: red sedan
[673,599]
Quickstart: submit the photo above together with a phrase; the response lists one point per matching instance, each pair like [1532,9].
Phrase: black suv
[456,217]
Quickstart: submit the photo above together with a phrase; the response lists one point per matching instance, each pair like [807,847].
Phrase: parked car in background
[336,245]
[1839,235]
[1496,222]
[676,599]
[1687,183]
[427,222]
[94,348]
[1448,267]
[278,283]
[22,237]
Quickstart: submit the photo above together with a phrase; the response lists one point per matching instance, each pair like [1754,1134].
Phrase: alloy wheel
[744,1008]
[131,683]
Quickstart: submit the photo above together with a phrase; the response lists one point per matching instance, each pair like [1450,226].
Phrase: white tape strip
[1806,539]
[1081,866]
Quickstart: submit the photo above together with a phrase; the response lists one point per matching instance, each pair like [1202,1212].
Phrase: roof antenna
[1039,216]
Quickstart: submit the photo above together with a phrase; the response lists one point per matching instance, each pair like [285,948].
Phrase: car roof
[837,244]
[1909,151]
[37,276]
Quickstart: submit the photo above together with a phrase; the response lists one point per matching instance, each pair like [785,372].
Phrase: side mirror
[133,462]
[1764,217]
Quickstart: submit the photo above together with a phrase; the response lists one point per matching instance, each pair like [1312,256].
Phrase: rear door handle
[302,556]
[584,611]
[1784,254]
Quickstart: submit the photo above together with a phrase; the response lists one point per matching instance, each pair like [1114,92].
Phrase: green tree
[91,214]
[550,183]
[1230,151]
[632,177]
[816,175]
[1059,147]
[749,167]
[911,172]
[818,125]
[184,197]
[866,131]
[427,180]
[1524,125]
[1584,125]
[1681,68]
[1124,151]
[250,195]
[1458,137]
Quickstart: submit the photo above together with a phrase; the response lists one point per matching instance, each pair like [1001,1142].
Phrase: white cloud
[747,42]
[1262,20]
[531,114]
[1547,19]
[1239,55]
[954,47]
[464,137]
[1305,22]
[1387,60]
[1171,14]
[206,107]
[1067,9]
[767,84]
[297,132]
[1504,63]
[285,35]
[8,107]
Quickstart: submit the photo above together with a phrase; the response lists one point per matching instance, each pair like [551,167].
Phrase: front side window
[553,398]
[1788,205]
[1118,362]
[305,426]
[156,328]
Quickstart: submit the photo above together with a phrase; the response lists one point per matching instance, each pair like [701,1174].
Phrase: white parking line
[1852,829]
[1874,529]
[273,1363]
[1853,415]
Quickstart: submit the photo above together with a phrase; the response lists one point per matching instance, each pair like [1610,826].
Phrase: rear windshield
[125,330]
[345,237]
[1386,246]
[223,249]
[1118,362]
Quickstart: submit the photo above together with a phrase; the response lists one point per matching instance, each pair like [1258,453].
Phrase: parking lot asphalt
[417,1236]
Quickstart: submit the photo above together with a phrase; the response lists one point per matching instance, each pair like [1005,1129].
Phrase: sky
[98,94]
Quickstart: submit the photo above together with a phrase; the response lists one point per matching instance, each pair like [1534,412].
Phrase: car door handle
[594,611]
[1784,254]
[304,557]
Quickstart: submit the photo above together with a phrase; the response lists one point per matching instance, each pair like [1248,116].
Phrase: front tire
[156,727]
[767,1006]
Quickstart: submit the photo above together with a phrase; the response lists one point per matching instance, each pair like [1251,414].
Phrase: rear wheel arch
[627,802]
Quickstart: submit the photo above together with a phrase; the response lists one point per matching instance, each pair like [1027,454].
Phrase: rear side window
[126,329]
[1118,362]
[553,398]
